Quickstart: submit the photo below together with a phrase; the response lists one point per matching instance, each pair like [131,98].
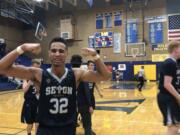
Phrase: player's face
[58,53]
[91,66]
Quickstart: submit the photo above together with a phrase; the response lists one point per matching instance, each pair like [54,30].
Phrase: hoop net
[134,52]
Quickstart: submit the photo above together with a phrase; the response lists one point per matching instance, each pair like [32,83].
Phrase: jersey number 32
[59,106]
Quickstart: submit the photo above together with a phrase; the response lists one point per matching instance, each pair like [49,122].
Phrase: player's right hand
[178,99]
[89,52]
[31,47]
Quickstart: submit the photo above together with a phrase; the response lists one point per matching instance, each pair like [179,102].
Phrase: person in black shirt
[169,97]
[178,75]
[141,78]
[30,105]
[57,85]
[178,80]
[83,98]
[2,48]
[117,75]
[90,86]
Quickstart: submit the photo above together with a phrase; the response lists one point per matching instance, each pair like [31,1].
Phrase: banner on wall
[132,31]
[99,21]
[117,18]
[149,70]
[90,2]
[155,19]
[159,47]
[108,20]
[91,41]
[156,33]
[159,57]
[117,43]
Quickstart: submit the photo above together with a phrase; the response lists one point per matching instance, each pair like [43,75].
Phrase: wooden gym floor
[122,111]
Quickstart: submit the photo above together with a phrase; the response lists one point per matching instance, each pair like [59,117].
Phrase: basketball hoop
[137,49]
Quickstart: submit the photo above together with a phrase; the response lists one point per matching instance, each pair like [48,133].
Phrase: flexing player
[57,102]
[169,97]
[29,110]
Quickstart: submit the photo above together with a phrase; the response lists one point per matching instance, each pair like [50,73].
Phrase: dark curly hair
[76,61]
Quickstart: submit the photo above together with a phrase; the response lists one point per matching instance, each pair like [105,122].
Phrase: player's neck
[173,56]
[58,71]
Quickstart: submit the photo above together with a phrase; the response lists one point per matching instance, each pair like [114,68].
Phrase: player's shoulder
[170,61]
[77,71]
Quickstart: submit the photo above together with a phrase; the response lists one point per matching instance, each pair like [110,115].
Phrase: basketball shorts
[69,130]
[29,112]
[169,108]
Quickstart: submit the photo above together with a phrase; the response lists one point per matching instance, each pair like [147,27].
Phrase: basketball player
[178,80]
[178,74]
[169,97]
[83,98]
[57,102]
[140,78]
[90,86]
[117,75]
[29,110]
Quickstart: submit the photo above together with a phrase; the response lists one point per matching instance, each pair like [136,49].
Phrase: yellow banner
[159,57]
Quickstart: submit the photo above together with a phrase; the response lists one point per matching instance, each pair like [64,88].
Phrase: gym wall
[12,31]
[85,26]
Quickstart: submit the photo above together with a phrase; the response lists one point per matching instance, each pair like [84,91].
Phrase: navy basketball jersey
[91,86]
[168,68]
[83,95]
[57,101]
[178,76]
[91,89]
[30,94]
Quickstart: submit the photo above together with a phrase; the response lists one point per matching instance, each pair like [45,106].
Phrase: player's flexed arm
[29,73]
[101,74]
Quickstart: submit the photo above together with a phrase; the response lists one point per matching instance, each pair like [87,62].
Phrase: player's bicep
[21,72]
[91,76]
[167,79]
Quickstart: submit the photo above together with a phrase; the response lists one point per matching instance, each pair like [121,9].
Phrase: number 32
[60,106]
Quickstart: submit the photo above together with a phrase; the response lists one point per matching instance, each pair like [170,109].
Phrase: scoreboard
[103,39]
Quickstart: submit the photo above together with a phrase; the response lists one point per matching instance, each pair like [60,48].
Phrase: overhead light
[38,0]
